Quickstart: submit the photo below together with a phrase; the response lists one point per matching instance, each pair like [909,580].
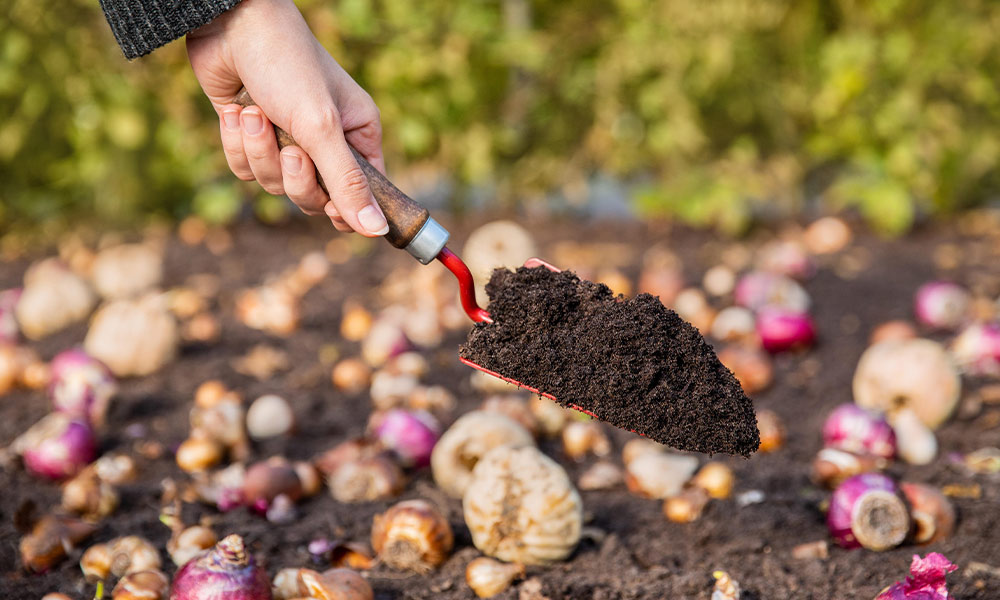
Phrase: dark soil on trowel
[629,361]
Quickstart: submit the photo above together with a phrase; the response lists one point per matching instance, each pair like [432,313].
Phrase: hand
[266,46]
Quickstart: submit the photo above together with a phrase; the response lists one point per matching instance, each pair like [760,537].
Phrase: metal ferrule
[428,242]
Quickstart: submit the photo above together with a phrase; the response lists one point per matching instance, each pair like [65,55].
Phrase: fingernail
[252,122]
[372,220]
[291,163]
[231,119]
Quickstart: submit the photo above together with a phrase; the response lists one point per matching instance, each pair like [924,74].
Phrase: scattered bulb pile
[507,462]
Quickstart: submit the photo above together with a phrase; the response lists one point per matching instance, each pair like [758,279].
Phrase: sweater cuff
[143,26]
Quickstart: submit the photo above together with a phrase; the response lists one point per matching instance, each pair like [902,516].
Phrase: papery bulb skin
[81,386]
[412,535]
[89,496]
[334,584]
[410,435]
[926,581]
[932,512]
[225,572]
[855,429]
[50,539]
[57,447]
[188,543]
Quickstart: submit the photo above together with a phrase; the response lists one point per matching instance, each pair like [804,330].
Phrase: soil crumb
[631,362]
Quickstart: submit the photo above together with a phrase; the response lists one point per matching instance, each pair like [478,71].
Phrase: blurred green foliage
[721,109]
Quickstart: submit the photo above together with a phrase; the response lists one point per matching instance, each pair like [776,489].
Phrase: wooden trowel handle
[404,215]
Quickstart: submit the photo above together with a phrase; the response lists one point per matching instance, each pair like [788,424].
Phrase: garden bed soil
[629,549]
[630,362]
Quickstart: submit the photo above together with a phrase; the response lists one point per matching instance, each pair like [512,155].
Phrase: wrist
[247,11]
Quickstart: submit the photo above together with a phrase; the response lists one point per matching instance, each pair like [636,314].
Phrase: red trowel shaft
[466,286]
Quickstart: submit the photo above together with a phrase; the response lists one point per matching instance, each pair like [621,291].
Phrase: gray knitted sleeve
[141,26]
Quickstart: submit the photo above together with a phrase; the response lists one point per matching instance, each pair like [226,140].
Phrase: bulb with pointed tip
[226,571]
[412,535]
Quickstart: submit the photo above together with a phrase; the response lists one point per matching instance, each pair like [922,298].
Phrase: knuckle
[353,183]
[324,118]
